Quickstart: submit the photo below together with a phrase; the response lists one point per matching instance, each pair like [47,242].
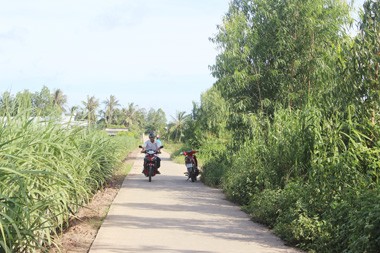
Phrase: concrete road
[171,214]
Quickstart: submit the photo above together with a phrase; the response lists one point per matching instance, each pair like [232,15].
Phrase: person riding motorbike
[158,140]
[154,145]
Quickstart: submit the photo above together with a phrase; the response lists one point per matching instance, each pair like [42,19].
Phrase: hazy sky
[153,53]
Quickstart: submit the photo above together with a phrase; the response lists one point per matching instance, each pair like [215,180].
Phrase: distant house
[69,120]
[115,131]
[64,120]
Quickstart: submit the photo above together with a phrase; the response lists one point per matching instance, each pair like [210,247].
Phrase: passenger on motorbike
[154,145]
[158,140]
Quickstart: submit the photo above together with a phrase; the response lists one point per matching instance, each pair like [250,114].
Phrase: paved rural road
[171,214]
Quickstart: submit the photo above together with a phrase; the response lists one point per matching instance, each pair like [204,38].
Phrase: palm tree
[73,112]
[111,104]
[178,125]
[133,117]
[59,100]
[130,114]
[90,107]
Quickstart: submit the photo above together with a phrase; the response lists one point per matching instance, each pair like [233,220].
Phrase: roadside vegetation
[290,131]
[50,167]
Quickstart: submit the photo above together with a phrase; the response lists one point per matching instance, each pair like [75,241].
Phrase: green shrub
[213,171]
[357,222]
[264,207]
[246,176]
[215,159]
[299,221]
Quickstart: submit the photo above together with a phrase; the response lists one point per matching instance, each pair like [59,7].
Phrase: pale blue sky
[153,53]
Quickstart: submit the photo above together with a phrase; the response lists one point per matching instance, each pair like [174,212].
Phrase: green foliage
[264,206]
[178,126]
[47,171]
[246,175]
[290,128]
[175,149]
[290,143]
[41,103]
[111,105]
[155,121]
[132,117]
[299,218]
[214,153]
[328,158]
[210,121]
[90,107]
[360,229]
[274,52]
[274,153]
[213,170]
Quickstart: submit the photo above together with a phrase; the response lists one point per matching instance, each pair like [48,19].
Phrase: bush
[246,176]
[213,171]
[358,222]
[216,156]
[299,221]
[264,207]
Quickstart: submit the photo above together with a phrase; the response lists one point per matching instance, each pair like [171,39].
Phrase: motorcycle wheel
[150,173]
[193,176]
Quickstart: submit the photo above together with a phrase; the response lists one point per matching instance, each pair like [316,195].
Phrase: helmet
[151,135]
[158,136]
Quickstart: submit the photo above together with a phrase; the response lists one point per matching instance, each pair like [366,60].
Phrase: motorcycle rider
[158,140]
[154,145]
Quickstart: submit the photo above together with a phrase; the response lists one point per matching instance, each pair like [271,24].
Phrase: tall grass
[47,171]
[314,179]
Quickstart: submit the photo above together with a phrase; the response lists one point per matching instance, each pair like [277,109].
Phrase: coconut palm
[178,124]
[111,104]
[90,107]
[133,117]
[59,100]
[129,114]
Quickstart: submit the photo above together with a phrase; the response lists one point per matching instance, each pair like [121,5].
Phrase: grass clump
[47,171]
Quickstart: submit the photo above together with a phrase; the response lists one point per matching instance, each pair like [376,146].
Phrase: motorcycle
[191,163]
[150,165]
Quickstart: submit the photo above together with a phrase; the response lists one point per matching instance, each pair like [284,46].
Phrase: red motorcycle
[191,163]
[150,162]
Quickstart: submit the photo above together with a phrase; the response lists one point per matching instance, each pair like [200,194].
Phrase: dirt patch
[83,228]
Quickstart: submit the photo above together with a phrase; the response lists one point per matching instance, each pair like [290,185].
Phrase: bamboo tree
[367,59]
